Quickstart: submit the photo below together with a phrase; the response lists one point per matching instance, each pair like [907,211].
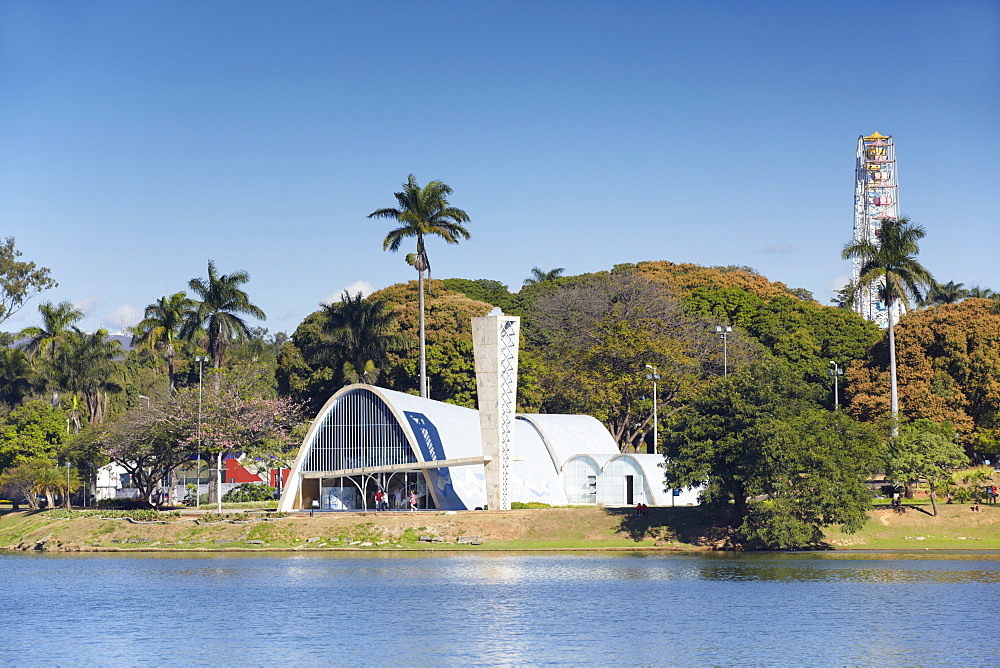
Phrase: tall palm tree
[363,333]
[57,324]
[423,212]
[890,266]
[540,276]
[161,327]
[218,312]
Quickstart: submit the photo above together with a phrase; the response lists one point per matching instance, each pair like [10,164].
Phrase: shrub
[249,491]
[123,504]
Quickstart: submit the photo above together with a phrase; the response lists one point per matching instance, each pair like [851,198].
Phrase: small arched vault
[367,439]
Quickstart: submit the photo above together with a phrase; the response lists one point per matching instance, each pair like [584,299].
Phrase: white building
[367,438]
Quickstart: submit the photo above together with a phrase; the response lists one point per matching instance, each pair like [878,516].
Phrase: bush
[249,491]
[141,514]
[887,490]
[517,505]
[123,504]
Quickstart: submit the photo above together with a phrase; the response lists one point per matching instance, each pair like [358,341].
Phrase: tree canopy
[35,430]
[924,451]
[217,314]
[759,441]
[19,280]
[948,372]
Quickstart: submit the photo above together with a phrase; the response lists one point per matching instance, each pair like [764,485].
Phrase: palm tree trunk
[893,392]
[216,354]
[170,369]
[92,399]
[423,349]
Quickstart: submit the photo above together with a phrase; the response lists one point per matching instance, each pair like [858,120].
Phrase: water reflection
[500,609]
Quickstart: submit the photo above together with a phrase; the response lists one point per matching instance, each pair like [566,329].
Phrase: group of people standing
[382,500]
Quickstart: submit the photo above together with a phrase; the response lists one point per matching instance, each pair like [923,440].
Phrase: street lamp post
[67,484]
[835,371]
[655,376]
[218,480]
[724,333]
[197,476]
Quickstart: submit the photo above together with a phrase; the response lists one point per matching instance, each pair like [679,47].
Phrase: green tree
[889,265]
[448,330]
[539,275]
[17,378]
[482,290]
[19,280]
[728,306]
[161,327]
[423,212]
[58,322]
[945,293]
[759,440]
[595,337]
[218,312]
[35,430]
[305,371]
[87,365]
[924,450]
[152,440]
[18,482]
[363,332]
[982,293]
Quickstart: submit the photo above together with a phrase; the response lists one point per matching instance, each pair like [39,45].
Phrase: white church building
[368,439]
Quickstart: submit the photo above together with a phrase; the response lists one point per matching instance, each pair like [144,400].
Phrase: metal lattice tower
[875,200]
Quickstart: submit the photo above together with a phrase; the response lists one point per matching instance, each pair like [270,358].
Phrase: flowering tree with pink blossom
[152,440]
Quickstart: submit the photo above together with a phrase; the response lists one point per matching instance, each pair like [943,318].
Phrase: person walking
[378,500]
[413,501]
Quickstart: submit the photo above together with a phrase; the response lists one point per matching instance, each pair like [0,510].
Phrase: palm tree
[539,276]
[945,293]
[47,480]
[57,324]
[362,332]
[86,364]
[423,212]
[161,327]
[982,293]
[890,266]
[17,379]
[217,313]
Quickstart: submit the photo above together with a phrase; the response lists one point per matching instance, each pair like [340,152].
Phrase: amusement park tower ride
[875,200]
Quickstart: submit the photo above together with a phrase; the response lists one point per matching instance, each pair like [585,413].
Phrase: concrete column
[495,341]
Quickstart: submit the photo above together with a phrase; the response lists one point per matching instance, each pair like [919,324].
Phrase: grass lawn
[687,528]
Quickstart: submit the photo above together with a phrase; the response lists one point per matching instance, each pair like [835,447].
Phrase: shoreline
[554,530]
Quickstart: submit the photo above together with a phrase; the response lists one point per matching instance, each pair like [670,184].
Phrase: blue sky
[141,139]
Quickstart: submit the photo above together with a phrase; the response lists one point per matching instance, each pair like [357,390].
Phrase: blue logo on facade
[432,450]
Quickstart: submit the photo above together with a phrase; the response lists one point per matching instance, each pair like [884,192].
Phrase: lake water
[580,609]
